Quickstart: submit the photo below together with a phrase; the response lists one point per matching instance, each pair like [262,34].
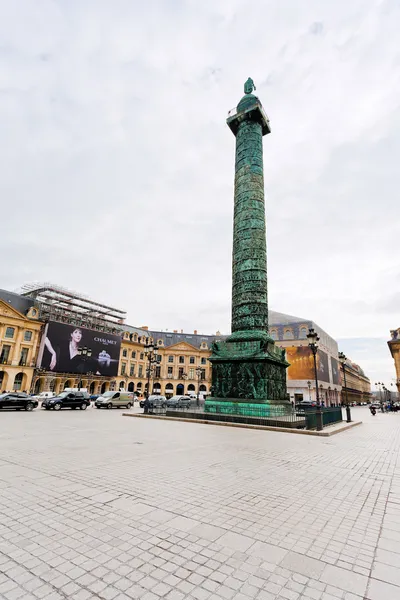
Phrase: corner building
[20,332]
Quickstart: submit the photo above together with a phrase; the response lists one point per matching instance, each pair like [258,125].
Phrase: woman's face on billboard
[76,335]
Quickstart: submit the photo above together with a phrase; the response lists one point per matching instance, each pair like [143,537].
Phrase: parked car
[68,400]
[179,402]
[18,400]
[117,399]
[43,396]
[94,396]
[155,401]
[306,404]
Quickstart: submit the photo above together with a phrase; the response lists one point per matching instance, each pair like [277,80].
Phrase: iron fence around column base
[330,415]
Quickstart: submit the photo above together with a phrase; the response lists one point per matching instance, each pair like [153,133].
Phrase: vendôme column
[248,370]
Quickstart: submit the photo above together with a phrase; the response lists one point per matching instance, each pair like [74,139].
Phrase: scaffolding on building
[56,303]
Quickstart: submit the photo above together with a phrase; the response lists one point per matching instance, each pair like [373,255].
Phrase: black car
[17,400]
[67,400]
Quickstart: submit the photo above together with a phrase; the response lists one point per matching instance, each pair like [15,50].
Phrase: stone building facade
[358,386]
[394,347]
[19,342]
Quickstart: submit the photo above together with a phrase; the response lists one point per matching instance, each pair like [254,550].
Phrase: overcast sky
[116,174]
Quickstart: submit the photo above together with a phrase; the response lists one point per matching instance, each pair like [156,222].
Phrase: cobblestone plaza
[94,505]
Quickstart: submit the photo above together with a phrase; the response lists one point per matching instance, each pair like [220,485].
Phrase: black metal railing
[250,416]
[298,418]
[330,415]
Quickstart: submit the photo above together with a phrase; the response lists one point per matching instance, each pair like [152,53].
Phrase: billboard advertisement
[335,371]
[302,364]
[61,350]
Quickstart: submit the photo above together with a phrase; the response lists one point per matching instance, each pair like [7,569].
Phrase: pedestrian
[146,406]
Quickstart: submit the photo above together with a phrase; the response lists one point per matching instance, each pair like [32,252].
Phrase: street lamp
[199,371]
[343,359]
[309,390]
[313,340]
[85,353]
[151,353]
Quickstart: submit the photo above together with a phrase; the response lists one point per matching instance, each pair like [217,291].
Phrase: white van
[44,396]
[111,399]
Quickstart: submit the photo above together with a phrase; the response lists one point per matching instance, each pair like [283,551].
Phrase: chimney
[195,332]
[175,331]
[145,327]
[181,330]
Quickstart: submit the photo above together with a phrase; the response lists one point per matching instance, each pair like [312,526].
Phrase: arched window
[18,381]
[288,334]
[121,385]
[159,342]
[180,389]
[191,387]
[274,334]
[139,386]
[202,388]
[131,387]
[169,386]
[303,333]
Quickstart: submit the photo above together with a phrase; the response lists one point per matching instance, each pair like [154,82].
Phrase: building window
[160,342]
[140,370]
[10,332]
[5,353]
[158,372]
[123,368]
[159,357]
[170,358]
[191,373]
[203,361]
[181,371]
[132,371]
[142,356]
[273,333]
[170,371]
[181,360]
[124,353]
[192,360]
[203,374]
[133,354]
[303,333]
[24,356]
[18,381]
[27,336]
[288,334]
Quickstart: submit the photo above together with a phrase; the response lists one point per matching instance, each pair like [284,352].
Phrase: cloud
[117,164]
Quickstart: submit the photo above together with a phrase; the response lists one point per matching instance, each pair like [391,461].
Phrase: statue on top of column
[249,86]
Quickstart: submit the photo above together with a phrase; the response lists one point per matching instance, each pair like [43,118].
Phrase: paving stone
[347,580]
[303,565]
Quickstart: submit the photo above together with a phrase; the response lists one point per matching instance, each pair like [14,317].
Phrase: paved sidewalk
[94,505]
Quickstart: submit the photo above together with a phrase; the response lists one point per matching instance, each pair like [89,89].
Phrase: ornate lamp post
[151,353]
[313,340]
[85,353]
[199,371]
[343,359]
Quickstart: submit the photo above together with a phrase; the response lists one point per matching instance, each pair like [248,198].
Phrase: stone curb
[324,433]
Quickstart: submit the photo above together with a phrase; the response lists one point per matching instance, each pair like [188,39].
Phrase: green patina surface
[248,370]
